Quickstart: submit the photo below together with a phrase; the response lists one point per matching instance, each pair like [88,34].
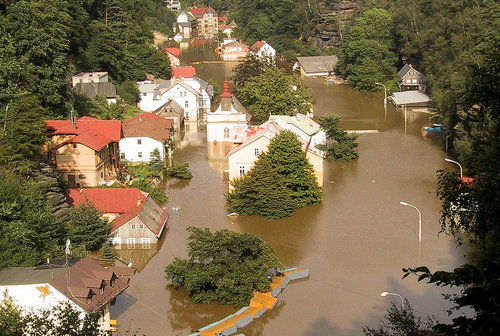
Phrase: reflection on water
[137,256]
[354,244]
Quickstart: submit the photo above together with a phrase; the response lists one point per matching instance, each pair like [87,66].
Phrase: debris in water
[332,181]
[232,214]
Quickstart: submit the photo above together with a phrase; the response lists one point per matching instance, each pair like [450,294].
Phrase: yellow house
[86,151]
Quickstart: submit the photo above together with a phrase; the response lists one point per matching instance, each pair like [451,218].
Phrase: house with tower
[226,126]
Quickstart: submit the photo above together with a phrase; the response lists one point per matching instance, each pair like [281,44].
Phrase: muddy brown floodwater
[354,244]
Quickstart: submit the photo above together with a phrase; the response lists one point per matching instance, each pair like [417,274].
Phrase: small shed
[313,66]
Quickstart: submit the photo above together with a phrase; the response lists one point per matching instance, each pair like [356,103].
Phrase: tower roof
[226,93]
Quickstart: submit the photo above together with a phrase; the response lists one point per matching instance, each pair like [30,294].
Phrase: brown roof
[148,125]
[78,282]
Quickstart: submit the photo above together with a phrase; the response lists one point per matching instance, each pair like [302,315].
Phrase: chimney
[226,98]
[139,201]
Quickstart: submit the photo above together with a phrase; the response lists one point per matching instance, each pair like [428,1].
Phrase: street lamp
[385,98]
[385,93]
[395,294]
[461,170]
[419,220]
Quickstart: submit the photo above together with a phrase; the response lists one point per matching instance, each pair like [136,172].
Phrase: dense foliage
[275,92]
[402,321]
[471,211]
[87,227]
[223,266]
[259,193]
[180,171]
[281,181]
[367,53]
[62,319]
[340,146]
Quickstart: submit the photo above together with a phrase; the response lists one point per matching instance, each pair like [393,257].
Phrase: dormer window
[112,281]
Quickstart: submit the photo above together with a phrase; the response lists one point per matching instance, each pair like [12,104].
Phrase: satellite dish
[68,242]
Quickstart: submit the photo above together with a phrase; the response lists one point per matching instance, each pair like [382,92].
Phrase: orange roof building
[85,152]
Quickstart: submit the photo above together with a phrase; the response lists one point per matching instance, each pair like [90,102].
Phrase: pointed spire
[226,93]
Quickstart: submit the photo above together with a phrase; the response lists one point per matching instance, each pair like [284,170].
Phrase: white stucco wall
[29,297]
[266,50]
[130,147]
[246,157]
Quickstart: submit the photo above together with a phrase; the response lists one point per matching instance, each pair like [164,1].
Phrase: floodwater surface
[355,243]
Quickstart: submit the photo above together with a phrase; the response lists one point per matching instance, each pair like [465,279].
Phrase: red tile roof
[93,133]
[257,45]
[108,200]
[174,51]
[184,72]
[199,12]
[148,125]
[124,202]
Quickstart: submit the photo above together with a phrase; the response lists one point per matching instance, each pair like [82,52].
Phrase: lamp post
[385,98]
[395,294]
[419,220]
[452,161]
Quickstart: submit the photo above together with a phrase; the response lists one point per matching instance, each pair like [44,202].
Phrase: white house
[263,49]
[86,285]
[242,158]
[143,134]
[194,95]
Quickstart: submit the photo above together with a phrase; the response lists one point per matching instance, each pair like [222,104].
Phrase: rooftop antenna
[67,251]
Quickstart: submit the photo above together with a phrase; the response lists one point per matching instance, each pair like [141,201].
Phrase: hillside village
[98,155]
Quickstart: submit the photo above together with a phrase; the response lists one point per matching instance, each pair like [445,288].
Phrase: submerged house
[136,220]
[410,79]
[314,66]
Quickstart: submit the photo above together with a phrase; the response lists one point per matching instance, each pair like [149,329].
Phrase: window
[139,154]
[144,94]
[81,177]
[141,226]
[131,242]
[133,226]
[122,155]
[186,104]
[151,154]
[408,80]
[226,132]
[257,151]
[146,243]
[74,145]
[242,170]
[139,141]
[414,81]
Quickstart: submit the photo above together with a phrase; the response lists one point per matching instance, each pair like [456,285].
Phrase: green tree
[223,266]
[402,322]
[259,193]
[367,53]
[86,227]
[251,66]
[341,145]
[181,171]
[294,170]
[107,252]
[156,164]
[10,317]
[22,134]
[129,92]
[40,33]
[29,233]
[275,92]
[101,109]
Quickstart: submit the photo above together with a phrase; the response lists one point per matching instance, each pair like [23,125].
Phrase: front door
[71,180]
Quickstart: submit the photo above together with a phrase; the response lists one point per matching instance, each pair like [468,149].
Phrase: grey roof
[314,64]
[184,24]
[205,86]
[33,275]
[410,97]
[91,90]
[173,105]
[146,87]
[153,216]
[404,70]
[238,107]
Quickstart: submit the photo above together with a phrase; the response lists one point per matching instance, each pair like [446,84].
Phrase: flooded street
[354,244]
